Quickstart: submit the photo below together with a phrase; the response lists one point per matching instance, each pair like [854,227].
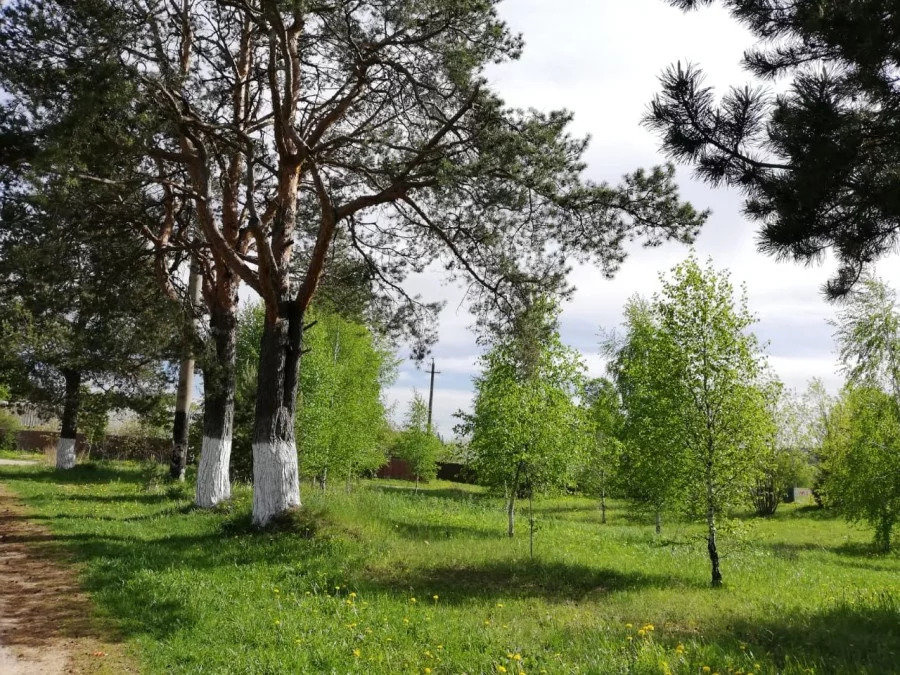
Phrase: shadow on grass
[84,474]
[844,639]
[864,550]
[553,581]
[432,532]
[455,494]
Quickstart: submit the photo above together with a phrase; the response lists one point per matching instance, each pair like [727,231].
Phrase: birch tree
[526,429]
[713,367]
[862,458]
[417,445]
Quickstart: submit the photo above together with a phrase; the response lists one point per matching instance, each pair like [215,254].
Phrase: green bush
[9,425]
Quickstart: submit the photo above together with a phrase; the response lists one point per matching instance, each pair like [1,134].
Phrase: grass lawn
[388,581]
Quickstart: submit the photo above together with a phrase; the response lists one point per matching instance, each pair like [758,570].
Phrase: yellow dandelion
[629,639]
[357,653]
[706,669]
[435,597]
[517,657]
[353,595]
[628,625]
[642,632]
[277,622]
[501,669]
[412,600]
[509,655]
[499,604]
[275,590]
[439,647]
[427,670]
[405,620]
[487,622]
[428,654]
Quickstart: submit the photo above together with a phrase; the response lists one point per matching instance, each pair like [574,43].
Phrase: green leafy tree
[862,457]
[417,445]
[341,416]
[785,460]
[714,366]
[816,159]
[603,421]
[651,459]
[691,374]
[88,316]
[526,429]
[868,337]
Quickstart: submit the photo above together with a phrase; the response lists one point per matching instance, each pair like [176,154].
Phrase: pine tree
[817,163]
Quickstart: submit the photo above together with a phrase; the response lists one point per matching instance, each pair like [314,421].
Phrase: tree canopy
[817,160]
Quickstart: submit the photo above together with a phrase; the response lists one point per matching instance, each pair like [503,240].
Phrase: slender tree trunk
[65,446]
[181,425]
[658,522]
[511,507]
[883,534]
[417,483]
[213,483]
[711,526]
[276,482]
[603,502]
[323,479]
[531,521]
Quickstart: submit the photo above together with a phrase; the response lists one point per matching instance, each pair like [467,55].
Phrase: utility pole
[431,394]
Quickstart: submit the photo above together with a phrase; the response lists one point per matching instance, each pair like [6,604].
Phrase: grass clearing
[384,580]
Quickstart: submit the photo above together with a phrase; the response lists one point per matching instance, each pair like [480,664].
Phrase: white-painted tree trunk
[213,484]
[276,483]
[65,453]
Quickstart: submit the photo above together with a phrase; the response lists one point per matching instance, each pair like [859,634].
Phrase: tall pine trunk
[276,481]
[181,424]
[65,446]
[213,483]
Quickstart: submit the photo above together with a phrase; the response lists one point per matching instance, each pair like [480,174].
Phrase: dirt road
[46,622]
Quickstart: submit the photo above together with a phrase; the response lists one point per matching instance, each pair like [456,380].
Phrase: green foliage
[9,426]
[79,297]
[526,429]
[713,366]
[603,422]
[341,420]
[814,156]
[651,461]
[868,336]
[341,417]
[417,445]
[695,411]
[862,457]
[785,460]
[183,587]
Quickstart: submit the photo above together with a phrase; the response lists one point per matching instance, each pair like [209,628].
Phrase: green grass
[387,581]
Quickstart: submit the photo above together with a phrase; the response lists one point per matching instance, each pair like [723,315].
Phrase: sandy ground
[46,622]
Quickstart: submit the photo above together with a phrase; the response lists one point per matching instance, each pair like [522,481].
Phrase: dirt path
[46,622]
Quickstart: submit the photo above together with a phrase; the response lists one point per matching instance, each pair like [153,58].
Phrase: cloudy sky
[601,59]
